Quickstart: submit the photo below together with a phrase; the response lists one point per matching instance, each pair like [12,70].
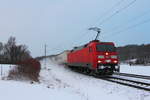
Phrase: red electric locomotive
[98,57]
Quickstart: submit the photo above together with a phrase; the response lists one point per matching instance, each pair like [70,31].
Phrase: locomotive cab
[106,57]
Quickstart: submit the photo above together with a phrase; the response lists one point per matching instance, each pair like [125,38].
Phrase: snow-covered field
[4,69]
[91,88]
[135,69]
[11,90]
[60,83]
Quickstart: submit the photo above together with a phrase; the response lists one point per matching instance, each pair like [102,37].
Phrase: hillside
[139,52]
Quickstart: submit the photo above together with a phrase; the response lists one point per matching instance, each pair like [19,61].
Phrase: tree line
[11,53]
[139,52]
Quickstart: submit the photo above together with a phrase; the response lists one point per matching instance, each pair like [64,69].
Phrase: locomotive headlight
[114,57]
[115,61]
[101,56]
[106,54]
[99,61]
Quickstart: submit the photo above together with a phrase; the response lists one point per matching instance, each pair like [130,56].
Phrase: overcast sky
[63,24]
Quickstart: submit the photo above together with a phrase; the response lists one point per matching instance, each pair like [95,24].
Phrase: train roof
[94,41]
[97,41]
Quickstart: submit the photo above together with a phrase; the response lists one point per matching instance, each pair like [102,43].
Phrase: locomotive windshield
[105,48]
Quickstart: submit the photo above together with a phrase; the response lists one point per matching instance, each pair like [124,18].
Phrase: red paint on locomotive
[94,56]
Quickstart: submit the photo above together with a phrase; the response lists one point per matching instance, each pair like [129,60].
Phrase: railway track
[129,82]
[124,81]
[133,75]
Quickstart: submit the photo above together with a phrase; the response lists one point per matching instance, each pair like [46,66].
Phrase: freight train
[94,57]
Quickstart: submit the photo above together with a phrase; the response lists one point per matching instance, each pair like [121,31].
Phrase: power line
[130,27]
[118,11]
[117,4]
[109,10]
[131,20]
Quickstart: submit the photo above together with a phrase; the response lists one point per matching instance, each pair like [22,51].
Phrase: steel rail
[133,75]
[131,84]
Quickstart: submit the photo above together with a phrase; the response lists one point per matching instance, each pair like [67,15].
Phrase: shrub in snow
[28,69]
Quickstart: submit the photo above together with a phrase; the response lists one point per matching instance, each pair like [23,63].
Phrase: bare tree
[15,53]
[21,53]
[11,41]
[1,48]
[1,51]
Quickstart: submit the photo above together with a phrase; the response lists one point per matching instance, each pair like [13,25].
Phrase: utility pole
[45,55]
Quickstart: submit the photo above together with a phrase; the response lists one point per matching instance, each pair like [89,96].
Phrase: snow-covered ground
[60,83]
[89,87]
[135,69]
[24,90]
[4,69]
[11,90]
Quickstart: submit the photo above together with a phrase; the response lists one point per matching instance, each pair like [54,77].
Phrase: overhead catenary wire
[130,20]
[106,19]
[108,11]
[104,14]
[117,12]
[130,27]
